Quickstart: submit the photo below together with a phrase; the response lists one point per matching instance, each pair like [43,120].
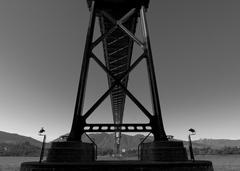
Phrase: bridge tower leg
[74,150]
[79,121]
[156,121]
[161,149]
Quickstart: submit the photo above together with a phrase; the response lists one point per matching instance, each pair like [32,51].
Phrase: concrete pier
[155,156]
[164,151]
[69,152]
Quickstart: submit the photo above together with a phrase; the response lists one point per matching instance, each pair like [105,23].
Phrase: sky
[196,53]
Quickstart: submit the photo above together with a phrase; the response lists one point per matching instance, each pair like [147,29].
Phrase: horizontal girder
[118,128]
[117,4]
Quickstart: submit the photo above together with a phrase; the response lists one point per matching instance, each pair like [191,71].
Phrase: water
[223,162]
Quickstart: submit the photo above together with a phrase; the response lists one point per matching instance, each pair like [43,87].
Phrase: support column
[78,120]
[160,149]
[156,121]
[74,150]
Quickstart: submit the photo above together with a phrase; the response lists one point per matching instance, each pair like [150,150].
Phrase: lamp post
[192,132]
[41,133]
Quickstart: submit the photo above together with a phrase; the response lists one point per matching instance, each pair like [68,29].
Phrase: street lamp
[42,133]
[192,132]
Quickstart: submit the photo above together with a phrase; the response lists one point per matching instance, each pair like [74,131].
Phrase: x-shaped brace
[118,81]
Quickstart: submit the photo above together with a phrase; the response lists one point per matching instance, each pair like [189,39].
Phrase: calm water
[221,163]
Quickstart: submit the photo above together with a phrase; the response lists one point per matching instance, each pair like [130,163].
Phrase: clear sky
[196,49]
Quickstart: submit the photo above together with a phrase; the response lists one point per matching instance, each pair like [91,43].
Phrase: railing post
[42,149]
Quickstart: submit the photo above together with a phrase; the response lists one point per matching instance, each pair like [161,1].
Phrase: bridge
[118,21]
[118,26]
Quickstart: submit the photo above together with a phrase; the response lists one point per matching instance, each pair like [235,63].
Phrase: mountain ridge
[106,141]
[14,138]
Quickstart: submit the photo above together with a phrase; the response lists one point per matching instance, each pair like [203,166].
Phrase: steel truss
[117,35]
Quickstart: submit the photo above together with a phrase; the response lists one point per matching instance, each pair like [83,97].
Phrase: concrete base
[165,151]
[76,156]
[71,152]
[119,166]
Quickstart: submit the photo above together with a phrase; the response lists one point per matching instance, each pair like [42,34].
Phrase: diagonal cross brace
[119,23]
[118,82]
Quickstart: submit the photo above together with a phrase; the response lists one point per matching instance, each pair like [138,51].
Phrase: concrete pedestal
[163,151]
[156,156]
[71,152]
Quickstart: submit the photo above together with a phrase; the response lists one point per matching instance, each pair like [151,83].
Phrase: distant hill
[10,138]
[106,141]
[18,145]
[128,142]
[219,143]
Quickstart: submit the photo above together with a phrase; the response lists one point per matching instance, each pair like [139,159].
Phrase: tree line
[221,151]
[196,151]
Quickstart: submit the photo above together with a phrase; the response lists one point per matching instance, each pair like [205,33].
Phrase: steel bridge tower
[118,27]
[118,20]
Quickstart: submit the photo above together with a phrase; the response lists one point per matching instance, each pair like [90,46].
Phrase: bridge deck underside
[118,47]
[117,52]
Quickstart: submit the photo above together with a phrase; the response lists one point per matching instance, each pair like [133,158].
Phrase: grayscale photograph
[119,85]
